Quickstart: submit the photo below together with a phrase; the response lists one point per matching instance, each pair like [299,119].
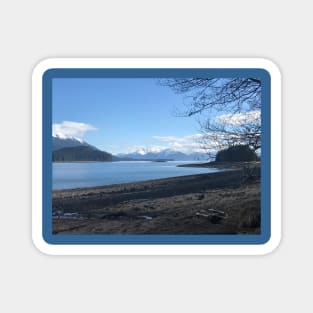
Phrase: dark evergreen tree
[237,153]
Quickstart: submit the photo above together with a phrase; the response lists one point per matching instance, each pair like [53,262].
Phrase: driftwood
[215,216]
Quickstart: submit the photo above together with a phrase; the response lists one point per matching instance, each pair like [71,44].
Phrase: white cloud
[69,129]
[212,141]
[184,139]
[239,118]
[187,144]
[144,149]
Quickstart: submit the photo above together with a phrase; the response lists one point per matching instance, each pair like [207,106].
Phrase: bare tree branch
[229,98]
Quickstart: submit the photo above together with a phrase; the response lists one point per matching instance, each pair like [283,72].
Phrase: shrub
[236,154]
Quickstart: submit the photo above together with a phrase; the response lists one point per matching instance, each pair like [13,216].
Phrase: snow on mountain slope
[164,154]
[67,142]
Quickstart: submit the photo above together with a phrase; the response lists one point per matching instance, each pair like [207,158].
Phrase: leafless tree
[228,109]
[233,95]
[231,129]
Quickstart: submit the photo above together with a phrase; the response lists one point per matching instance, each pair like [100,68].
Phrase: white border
[134,249]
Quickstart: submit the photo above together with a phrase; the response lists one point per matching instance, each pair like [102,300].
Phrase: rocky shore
[226,202]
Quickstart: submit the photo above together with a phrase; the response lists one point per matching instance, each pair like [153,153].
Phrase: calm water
[78,175]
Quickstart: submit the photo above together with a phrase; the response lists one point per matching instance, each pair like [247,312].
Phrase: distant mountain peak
[70,149]
[155,154]
[61,136]
[60,142]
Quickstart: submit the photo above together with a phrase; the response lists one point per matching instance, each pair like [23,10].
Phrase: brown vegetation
[226,202]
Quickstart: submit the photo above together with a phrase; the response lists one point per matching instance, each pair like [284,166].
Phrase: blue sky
[122,115]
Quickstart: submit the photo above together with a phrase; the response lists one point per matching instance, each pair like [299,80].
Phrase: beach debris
[146,217]
[59,214]
[215,216]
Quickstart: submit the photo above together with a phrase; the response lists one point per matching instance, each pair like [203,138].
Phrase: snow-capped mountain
[75,150]
[166,154]
[68,142]
[140,154]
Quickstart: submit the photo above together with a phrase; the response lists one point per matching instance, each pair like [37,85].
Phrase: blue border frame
[261,74]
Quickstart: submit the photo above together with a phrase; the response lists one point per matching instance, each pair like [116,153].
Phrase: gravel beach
[224,202]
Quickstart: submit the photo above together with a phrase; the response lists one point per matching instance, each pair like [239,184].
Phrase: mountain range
[166,154]
[73,149]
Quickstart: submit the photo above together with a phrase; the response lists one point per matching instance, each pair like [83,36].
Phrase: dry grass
[163,207]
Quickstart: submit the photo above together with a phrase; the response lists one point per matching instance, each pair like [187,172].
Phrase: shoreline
[220,166]
[224,165]
[212,203]
[148,182]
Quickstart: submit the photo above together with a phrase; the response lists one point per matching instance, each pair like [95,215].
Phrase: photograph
[167,155]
